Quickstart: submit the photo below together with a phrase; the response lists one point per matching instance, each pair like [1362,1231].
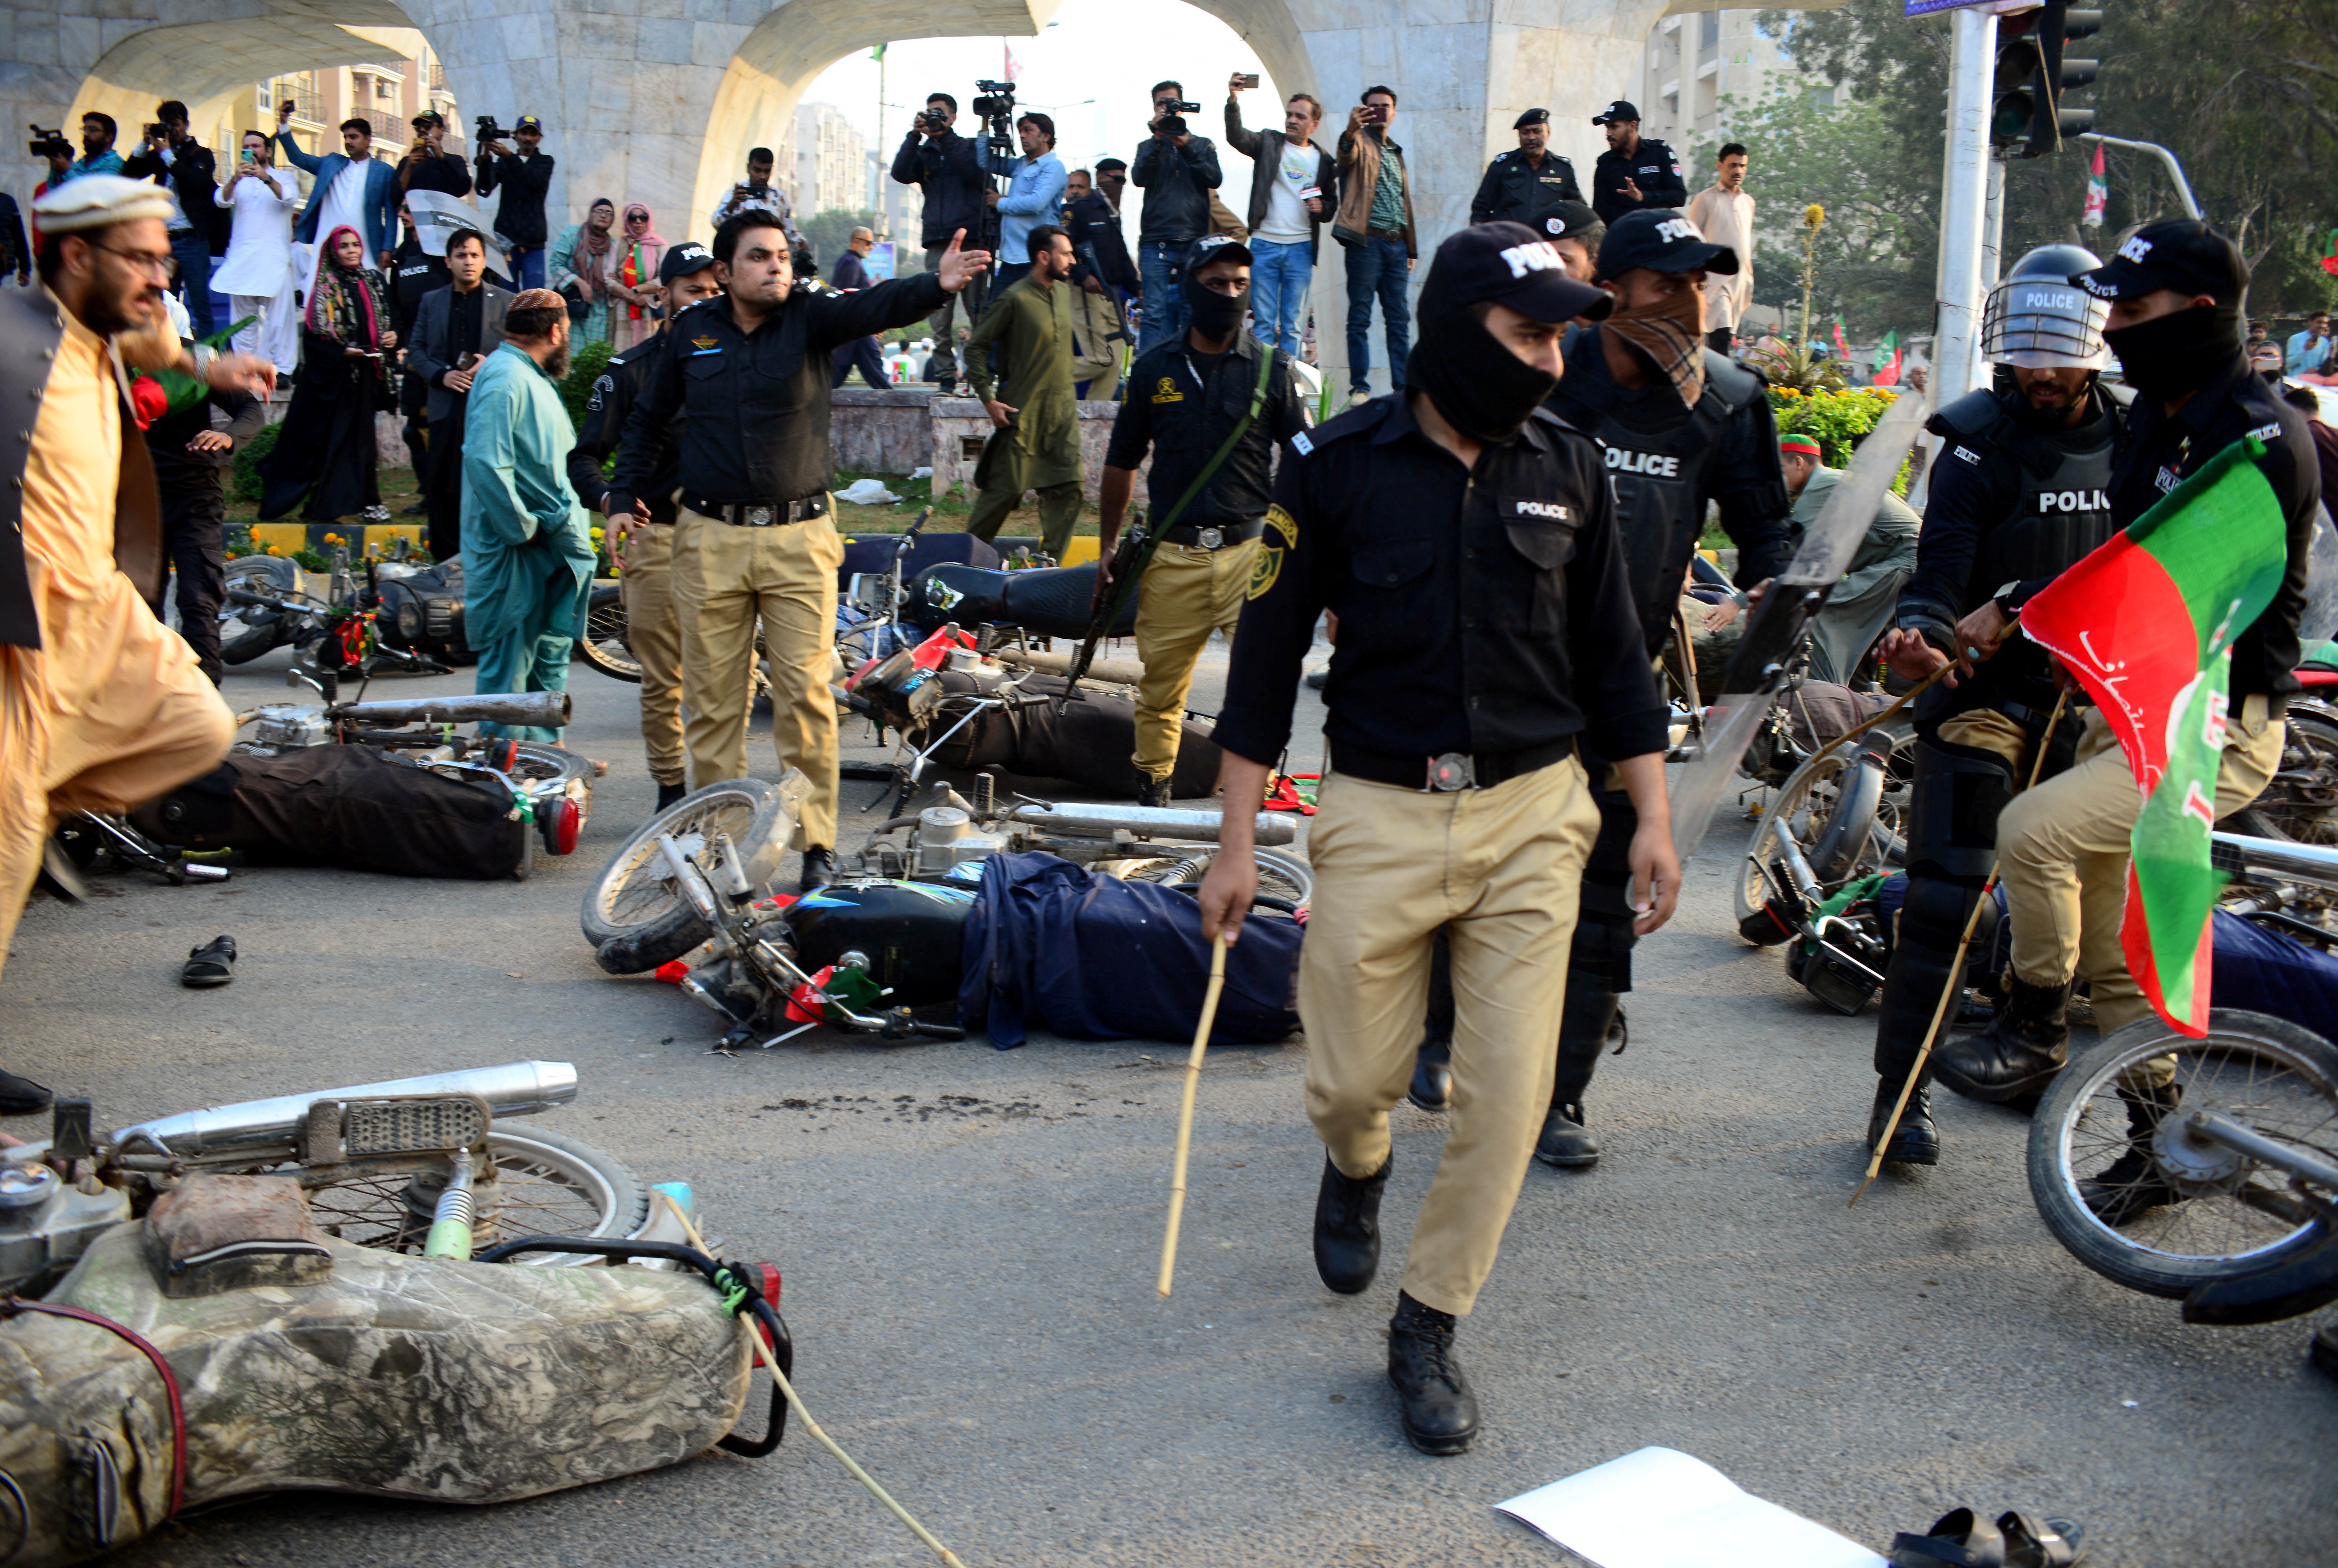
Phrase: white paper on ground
[1661,1508]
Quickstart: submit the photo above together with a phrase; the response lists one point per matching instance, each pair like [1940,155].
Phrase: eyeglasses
[141,261]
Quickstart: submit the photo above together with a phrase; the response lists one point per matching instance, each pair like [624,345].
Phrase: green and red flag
[1842,349]
[2146,624]
[1887,360]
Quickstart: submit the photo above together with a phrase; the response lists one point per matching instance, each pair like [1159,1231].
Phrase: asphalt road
[970,1239]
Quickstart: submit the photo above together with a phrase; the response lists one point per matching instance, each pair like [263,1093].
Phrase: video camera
[49,143]
[996,100]
[486,131]
[1174,122]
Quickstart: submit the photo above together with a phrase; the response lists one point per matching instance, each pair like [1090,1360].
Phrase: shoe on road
[1439,1411]
[670,793]
[1916,1141]
[22,1096]
[2018,1054]
[819,868]
[1432,1076]
[212,964]
[1564,1142]
[1348,1228]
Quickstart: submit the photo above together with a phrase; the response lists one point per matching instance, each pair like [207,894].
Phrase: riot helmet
[2037,316]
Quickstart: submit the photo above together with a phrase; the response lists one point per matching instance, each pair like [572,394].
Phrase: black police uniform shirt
[607,408]
[2162,450]
[2010,501]
[1481,610]
[1182,404]
[757,435]
[1667,461]
[1516,192]
[1651,166]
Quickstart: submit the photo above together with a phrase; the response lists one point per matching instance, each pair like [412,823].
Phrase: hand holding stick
[1185,1111]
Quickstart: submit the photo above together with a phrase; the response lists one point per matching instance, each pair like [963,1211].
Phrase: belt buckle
[1209,538]
[1452,770]
[758,516]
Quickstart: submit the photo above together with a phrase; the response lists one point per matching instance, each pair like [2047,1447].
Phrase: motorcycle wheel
[602,646]
[2275,1077]
[634,899]
[1802,806]
[2300,805]
[1280,876]
[245,631]
[546,1184]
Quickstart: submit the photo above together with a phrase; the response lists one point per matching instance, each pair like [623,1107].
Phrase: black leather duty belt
[1214,535]
[758,515]
[1449,770]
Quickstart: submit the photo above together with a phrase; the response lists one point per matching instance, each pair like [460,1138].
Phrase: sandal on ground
[1956,1540]
[2034,1543]
[212,964]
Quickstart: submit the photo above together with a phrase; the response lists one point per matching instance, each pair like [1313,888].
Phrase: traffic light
[2032,75]
[2012,108]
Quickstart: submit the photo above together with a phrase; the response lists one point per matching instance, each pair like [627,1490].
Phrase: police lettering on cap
[1619,113]
[1211,248]
[1662,239]
[1509,264]
[683,259]
[2180,253]
[1531,117]
[1569,218]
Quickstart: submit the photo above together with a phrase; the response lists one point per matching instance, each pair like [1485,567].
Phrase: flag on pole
[877,53]
[2098,191]
[2146,624]
[1842,349]
[1014,66]
[1887,360]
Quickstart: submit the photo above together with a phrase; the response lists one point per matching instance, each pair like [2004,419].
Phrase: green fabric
[1861,604]
[1031,323]
[1388,193]
[1848,894]
[528,551]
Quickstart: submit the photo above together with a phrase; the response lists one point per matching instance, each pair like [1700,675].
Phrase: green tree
[826,232]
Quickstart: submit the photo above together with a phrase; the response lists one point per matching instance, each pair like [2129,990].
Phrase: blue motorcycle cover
[1052,945]
[2265,971]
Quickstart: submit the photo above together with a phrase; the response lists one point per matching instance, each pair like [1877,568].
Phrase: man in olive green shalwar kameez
[1037,442]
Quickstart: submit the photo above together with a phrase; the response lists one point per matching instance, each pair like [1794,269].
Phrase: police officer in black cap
[1682,426]
[1466,537]
[652,635]
[1526,185]
[2019,493]
[1634,174]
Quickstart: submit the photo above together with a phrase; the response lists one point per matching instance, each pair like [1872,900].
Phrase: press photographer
[184,168]
[523,177]
[1178,169]
[426,166]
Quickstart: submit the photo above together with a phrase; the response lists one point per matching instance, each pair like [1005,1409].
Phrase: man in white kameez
[1723,213]
[257,274]
[353,188]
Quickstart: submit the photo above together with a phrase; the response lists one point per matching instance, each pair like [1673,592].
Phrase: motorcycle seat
[1051,602]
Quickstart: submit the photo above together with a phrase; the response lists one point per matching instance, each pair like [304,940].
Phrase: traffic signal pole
[2175,170]
[1964,202]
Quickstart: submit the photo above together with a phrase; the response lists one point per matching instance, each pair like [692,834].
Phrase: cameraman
[523,177]
[943,164]
[426,166]
[182,165]
[756,193]
[1035,191]
[1178,169]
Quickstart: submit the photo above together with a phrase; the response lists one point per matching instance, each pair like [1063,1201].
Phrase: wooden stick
[795,1402]
[1956,971]
[1185,1112]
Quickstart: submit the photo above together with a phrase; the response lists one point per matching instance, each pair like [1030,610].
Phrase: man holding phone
[1375,223]
[1292,186]
[457,327]
[757,193]
[257,276]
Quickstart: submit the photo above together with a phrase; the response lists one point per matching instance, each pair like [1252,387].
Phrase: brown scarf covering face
[1670,334]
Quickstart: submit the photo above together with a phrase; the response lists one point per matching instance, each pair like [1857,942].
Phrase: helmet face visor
[2042,323]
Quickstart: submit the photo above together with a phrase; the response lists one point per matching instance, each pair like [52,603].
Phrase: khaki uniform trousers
[1185,594]
[112,711]
[653,633]
[724,579]
[1499,869]
[2062,850]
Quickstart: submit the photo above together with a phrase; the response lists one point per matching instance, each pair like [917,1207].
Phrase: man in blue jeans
[1178,170]
[1291,191]
[178,162]
[1375,223]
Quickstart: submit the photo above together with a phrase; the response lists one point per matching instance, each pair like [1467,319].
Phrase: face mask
[1215,314]
[2168,356]
[1671,334]
[1484,390]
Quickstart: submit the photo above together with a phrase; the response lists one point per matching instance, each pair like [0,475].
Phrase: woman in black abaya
[327,451]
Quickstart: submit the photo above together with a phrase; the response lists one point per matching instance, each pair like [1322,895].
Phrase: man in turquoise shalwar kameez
[528,551]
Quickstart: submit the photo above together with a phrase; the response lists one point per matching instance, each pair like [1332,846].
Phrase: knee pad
[1959,790]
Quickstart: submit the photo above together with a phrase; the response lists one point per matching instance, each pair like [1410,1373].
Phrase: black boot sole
[1568,1161]
[1441,1447]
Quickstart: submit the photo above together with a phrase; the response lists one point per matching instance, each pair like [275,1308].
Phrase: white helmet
[2038,318]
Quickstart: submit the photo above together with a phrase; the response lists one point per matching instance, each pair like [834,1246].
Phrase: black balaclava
[1484,390]
[2166,356]
[1213,315]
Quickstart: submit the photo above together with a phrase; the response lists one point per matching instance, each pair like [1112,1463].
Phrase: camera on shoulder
[49,143]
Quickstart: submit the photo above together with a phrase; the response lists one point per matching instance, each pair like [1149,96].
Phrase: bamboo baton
[1956,971]
[1185,1111]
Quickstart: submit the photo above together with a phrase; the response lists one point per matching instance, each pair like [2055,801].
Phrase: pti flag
[1887,360]
[1843,349]
[2146,624]
[2098,191]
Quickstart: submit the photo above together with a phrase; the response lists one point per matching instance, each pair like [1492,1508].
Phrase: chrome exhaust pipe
[514,1089]
[1153,821]
[547,710]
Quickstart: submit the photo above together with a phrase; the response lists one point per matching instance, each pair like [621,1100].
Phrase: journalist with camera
[1178,169]
[427,165]
[523,176]
[1034,191]
[183,167]
[942,165]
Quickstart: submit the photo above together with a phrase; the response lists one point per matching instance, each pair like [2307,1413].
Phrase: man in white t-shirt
[1291,193]
[1723,213]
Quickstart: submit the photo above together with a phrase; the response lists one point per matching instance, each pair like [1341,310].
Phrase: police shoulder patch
[1264,568]
[600,385]
[1280,523]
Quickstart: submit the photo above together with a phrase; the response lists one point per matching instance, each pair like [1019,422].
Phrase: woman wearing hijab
[327,451]
[633,281]
[584,266]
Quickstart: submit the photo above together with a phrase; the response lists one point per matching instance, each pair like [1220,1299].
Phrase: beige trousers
[724,579]
[1185,594]
[110,712]
[2062,852]
[654,635]
[1499,869]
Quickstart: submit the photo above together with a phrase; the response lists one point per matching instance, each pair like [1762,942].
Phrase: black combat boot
[1348,1228]
[22,1096]
[668,794]
[819,868]
[1564,1142]
[1915,1141]
[1432,1076]
[1439,1413]
[2124,1188]
[1592,1017]
[1152,791]
[2018,1054]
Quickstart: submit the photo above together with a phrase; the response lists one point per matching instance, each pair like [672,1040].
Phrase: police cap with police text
[2180,253]
[1531,117]
[1505,263]
[1662,239]
[683,259]
[1211,248]
[1619,113]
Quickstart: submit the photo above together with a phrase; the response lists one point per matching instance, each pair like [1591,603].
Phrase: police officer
[1185,398]
[1526,185]
[2174,289]
[1633,173]
[1466,538]
[2018,493]
[755,537]
[652,633]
